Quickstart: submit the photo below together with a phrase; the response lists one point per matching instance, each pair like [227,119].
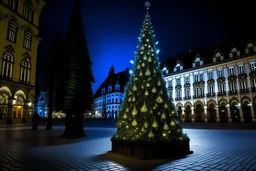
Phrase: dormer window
[103,91]
[198,61]
[117,87]
[250,48]
[178,67]
[109,88]
[234,53]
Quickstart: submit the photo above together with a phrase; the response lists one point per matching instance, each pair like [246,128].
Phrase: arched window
[12,31]
[28,12]
[7,66]
[27,40]
[13,4]
[25,67]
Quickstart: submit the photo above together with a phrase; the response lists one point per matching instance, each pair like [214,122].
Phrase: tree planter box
[145,150]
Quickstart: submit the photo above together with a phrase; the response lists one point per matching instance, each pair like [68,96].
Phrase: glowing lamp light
[131,61]
[29,104]
[157,43]
[157,51]
[130,71]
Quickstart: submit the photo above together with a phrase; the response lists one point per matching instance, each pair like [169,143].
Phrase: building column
[229,115]
[10,110]
[205,114]
[191,85]
[173,88]
[241,113]
[25,112]
[192,113]
[252,113]
[182,87]
[217,113]
[183,114]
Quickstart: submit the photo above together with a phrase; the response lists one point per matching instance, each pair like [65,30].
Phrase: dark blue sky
[112,28]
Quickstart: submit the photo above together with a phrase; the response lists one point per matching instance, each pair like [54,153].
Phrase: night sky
[112,28]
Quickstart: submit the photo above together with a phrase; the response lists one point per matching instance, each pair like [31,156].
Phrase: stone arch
[244,100]
[221,101]
[232,100]
[199,111]
[198,102]
[6,90]
[179,104]
[20,93]
[211,102]
[187,103]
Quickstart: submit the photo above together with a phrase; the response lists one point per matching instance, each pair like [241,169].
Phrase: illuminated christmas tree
[147,114]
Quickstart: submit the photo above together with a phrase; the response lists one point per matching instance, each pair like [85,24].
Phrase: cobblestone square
[26,149]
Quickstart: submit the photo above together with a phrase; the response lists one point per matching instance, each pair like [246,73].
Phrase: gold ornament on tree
[138,66]
[134,111]
[146,93]
[163,116]
[134,88]
[159,83]
[166,127]
[133,98]
[159,99]
[140,74]
[125,116]
[143,64]
[155,124]
[148,85]
[148,73]
[149,59]
[151,135]
[153,90]
[134,122]
[144,108]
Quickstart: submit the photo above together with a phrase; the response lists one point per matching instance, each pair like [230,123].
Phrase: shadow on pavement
[133,163]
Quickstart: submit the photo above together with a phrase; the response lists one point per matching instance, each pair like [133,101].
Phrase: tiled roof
[121,77]
[207,54]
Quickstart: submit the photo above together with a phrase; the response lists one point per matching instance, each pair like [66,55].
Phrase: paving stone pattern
[25,149]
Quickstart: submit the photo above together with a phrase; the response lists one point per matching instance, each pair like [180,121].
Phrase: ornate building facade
[108,97]
[214,85]
[19,38]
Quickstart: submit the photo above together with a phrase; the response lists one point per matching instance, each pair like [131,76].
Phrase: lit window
[12,31]
[220,73]
[178,81]
[231,71]
[27,40]
[241,69]
[210,75]
[25,68]
[253,66]
[28,12]
[196,78]
[7,65]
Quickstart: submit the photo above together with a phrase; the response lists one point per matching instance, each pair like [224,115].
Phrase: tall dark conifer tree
[78,89]
[53,74]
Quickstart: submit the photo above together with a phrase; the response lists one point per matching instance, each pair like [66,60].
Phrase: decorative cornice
[9,48]
[26,56]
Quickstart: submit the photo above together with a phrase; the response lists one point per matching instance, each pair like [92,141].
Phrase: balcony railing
[246,90]
[187,97]
[5,77]
[222,93]
[210,94]
[198,96]
[232,92]
[178,98]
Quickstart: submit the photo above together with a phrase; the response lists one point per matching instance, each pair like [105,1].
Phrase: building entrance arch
[223,113]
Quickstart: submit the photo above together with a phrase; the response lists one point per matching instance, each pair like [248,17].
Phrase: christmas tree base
[145,150]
